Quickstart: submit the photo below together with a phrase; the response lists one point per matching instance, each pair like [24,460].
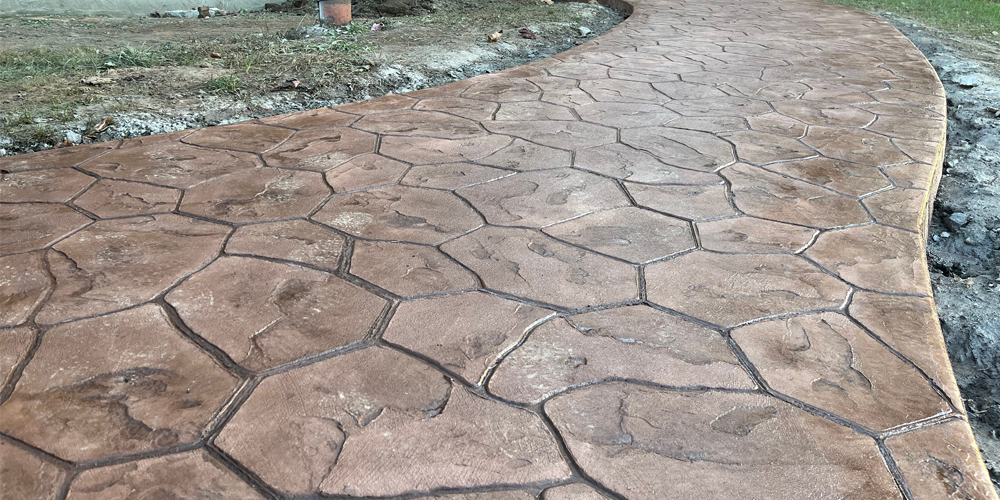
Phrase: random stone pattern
[682,260]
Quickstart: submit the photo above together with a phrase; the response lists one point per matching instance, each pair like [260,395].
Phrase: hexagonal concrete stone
[109,198]
[264,314]
[629,233]
[623,115]
[538,199]
[633,343]
[466,108]
[524,155]
[191,474]
[339,425]
[499,88]
[906,208]
[139,386]
[874,257]
[750,235]
[250,137]
[560,134]
[762,147]
[408,270]
[15,343]
[365,172]
[911,175]
[937,462]
[487,495]
[120,263]
[32,226]
[420,123]
[626,163]
[906,97]
[774,123]
[295,240]
[56,185]
[919,151]
[256,195]
[828,362]
[24,285]
[681,148]
[425,151]
[170,164]
[314,118]
[568,97]
[576,491]
[621,91]
[688,202]
[54,158]
[25,475]
[771,196]
[824,113]
[452,175]
[855,145]
[649,444]
[711,124]
[908,325]
[580,71]
[689,91]
[733,289]
[848,178]
[400,213]
[321,149]
[533,110]
[532,265]
[719,106]
[465,333]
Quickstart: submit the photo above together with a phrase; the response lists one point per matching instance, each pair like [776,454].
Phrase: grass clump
[979,18]
[229,84]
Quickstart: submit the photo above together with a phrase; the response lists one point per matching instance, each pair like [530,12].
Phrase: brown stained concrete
[683,260]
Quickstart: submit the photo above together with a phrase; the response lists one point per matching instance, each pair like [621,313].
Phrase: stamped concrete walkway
[684,260]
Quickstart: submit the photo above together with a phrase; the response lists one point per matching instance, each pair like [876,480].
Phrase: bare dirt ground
[159,75]
[964,247]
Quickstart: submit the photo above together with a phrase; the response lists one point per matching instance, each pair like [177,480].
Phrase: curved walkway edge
[682,260]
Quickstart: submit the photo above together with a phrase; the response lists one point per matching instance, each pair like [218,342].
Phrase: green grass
[979,18]
[41,64]
[223,84]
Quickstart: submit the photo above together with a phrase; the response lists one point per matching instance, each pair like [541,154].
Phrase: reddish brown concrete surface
[683,260]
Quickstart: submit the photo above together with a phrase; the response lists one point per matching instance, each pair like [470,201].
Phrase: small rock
[584,31]
[959,218]
[74,136]
[945,234]
[966,80]
[937,238]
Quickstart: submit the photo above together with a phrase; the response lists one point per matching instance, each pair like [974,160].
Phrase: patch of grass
[979,18]
[43,134]
[230,84]
[131,57]
[41,64]
[62,112]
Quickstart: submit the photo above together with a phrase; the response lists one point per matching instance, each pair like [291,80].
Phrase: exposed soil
[964,245]
[162,75]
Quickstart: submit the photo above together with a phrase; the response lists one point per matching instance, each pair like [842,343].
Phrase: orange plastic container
[335,12]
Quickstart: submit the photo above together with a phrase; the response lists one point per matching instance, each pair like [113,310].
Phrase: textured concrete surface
[682,260]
